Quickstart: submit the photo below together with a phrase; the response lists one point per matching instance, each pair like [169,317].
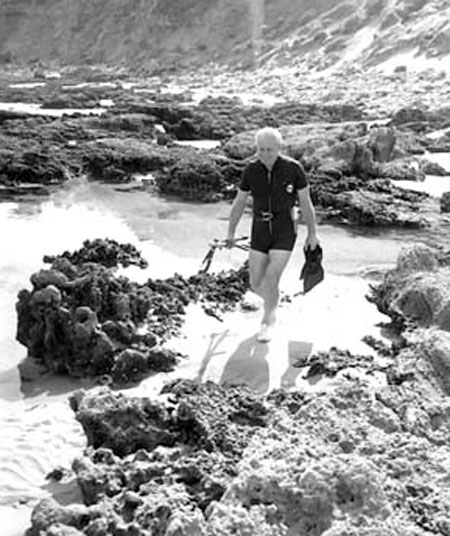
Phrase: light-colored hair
[268,133]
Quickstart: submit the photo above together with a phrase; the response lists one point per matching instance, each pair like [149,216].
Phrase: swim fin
[312,270]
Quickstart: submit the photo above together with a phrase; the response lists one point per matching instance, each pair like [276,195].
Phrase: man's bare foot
[265,333]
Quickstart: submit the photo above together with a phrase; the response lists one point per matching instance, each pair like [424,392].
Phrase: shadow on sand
[298,352]
[248,365]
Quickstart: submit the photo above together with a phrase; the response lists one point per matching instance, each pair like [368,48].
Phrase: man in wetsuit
[275,182]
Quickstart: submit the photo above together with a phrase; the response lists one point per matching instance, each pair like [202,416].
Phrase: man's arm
[309,216]
[236,212]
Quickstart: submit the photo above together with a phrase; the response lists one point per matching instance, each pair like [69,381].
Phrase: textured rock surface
[82,319]
[417,291]
[356,459]
[445,202]
[345,156]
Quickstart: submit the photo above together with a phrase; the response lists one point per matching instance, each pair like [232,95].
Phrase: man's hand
[311,241]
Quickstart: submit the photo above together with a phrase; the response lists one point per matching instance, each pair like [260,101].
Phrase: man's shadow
[248,365]
[298,354]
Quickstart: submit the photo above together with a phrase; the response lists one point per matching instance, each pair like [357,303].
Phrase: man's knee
[272,279]
[256,284]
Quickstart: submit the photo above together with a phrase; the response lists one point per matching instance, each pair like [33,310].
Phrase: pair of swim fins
[312,270]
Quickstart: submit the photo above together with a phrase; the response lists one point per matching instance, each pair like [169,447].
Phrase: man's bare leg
[258,262]
[278,259]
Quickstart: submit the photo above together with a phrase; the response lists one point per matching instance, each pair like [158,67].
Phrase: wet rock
[421,119]
[381,143]
[220,118]
[445,202]
[433,168]
[106,252]
[411,117]
[197,415]
[133,365]
[97,323]
[417,258]
[122,424]
[115,159]
[49,517]
[200,176]
[43,278]
[401,169]
[36,165]
[331,362]
[373,207]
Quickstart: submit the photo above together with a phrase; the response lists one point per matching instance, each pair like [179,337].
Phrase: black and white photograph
[224,267]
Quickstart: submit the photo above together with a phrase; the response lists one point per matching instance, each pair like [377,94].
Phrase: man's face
[268,148]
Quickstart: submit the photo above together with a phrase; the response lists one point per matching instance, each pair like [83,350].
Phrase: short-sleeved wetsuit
[274,194]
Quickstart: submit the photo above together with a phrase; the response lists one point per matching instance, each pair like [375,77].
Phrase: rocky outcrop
[82,319]
[417,291]
[346,148]
[344,159]
[380,205]
[212,460]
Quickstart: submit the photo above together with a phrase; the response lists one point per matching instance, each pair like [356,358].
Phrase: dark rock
[49,513]
[433,168]
[199,417]
[381,143]
[445,202]
[82,319]
[122,424]
[199,176]
[106,252]
[115,159]
[377,206]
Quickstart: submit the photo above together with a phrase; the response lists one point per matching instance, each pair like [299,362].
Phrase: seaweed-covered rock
[222,117]
[106,252]
[84,320]
[116,159]
[200,176]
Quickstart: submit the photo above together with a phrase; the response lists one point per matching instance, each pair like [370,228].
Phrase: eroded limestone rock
[84,320]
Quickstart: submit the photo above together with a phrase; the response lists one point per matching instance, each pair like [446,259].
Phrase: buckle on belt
[266,216]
